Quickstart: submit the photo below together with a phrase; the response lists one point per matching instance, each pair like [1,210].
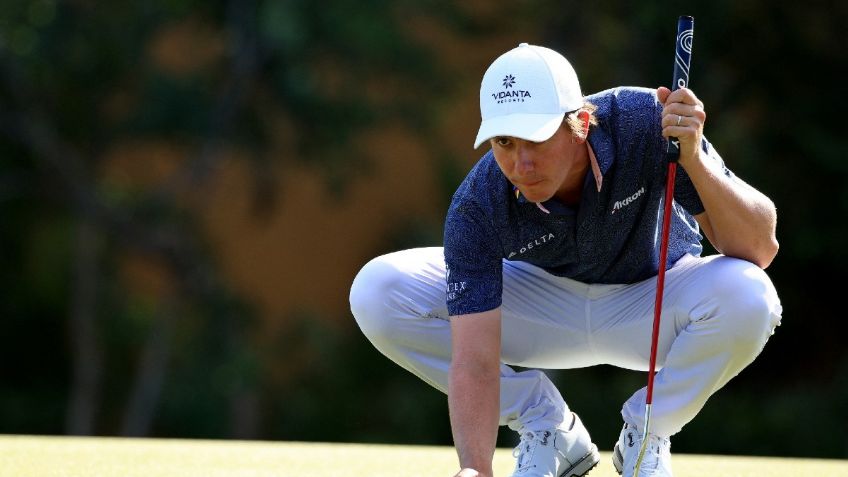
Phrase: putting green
[43,456]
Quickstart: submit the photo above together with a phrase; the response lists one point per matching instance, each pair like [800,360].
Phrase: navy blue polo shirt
[612,236]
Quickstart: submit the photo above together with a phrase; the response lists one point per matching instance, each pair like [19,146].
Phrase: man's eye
[502,141]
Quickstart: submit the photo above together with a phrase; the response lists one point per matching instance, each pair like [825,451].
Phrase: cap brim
[530,127]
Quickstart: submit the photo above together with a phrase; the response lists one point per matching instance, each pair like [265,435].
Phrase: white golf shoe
[556,452]
[657,460]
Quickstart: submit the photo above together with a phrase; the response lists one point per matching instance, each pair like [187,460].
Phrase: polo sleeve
[473,259]
[684,191]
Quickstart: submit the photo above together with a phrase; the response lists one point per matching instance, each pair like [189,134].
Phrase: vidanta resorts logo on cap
[508,95]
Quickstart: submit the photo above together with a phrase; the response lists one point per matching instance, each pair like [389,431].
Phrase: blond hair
[575,124]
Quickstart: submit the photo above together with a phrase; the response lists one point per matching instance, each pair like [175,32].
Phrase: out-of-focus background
[187,189]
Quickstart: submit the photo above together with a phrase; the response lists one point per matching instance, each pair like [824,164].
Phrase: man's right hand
[469,473]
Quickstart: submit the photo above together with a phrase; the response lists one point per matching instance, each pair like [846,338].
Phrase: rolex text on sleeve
[454,287]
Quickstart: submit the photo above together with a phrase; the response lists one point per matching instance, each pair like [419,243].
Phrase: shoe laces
[656,444]
[525,449]
[654,453]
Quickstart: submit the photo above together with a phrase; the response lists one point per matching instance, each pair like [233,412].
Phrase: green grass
[24,456]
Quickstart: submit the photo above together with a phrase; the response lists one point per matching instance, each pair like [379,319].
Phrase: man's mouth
[531,183]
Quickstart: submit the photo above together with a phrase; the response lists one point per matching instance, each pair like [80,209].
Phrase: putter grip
[682,58]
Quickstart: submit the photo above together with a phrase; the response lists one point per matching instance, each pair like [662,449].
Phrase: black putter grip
[682,58]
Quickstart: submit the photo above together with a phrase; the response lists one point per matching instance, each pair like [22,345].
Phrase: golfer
[550,257]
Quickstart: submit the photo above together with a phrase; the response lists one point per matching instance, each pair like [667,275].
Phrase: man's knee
[370,296]
[749,305]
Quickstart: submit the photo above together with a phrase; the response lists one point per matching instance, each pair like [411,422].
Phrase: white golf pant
[718,312]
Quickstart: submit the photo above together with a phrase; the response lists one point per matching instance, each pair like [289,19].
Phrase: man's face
[541,170]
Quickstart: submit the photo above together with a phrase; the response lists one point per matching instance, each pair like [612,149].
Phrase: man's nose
[524,160]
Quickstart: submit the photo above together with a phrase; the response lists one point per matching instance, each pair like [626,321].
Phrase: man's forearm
[474,403]
[741,219]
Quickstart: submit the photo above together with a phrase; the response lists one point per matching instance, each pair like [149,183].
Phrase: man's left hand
[683,117]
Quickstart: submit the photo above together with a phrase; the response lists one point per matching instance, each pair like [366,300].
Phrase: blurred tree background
[187,189]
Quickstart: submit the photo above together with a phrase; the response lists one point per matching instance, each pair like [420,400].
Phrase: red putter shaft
[669,195]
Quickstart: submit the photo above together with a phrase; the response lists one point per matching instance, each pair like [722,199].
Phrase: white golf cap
[525,93]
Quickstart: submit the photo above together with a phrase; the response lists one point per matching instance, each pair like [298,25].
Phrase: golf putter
[682,57]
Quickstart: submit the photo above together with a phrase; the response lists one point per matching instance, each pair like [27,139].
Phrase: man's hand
[683,118]
[469,473]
